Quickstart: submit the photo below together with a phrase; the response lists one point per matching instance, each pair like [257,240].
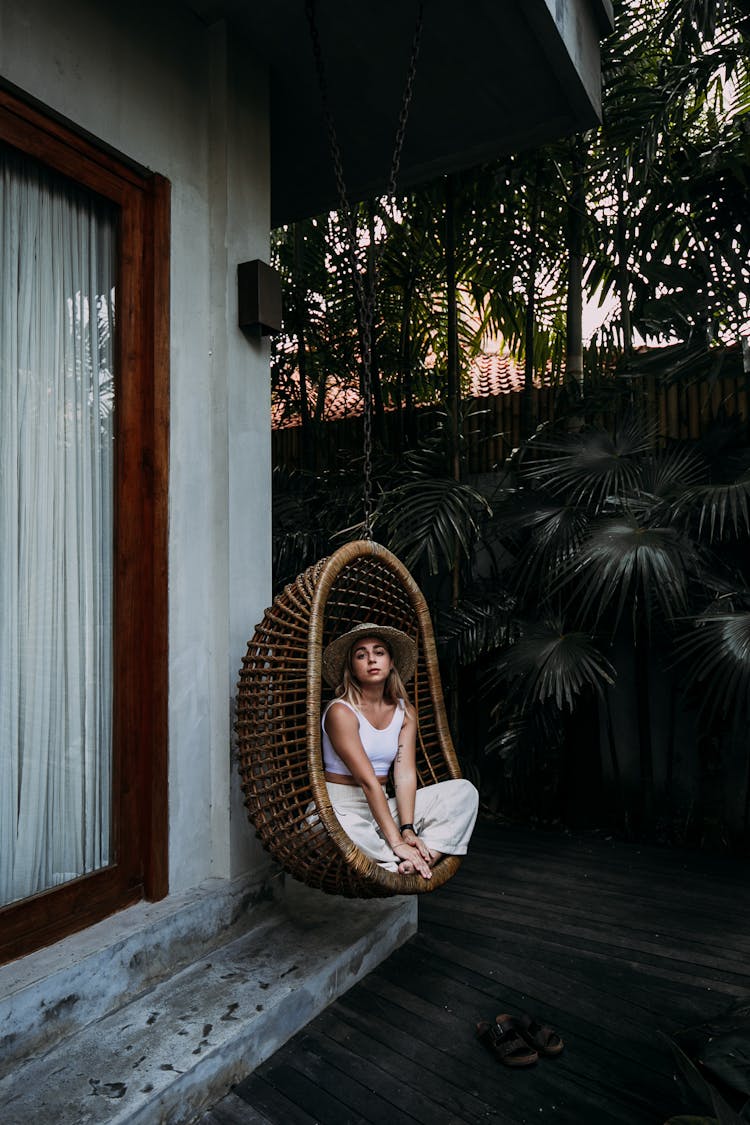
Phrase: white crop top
[380,746]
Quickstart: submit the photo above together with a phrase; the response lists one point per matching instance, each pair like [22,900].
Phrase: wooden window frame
[139,865]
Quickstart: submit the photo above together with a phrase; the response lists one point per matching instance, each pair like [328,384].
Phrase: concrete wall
[580,36]
[189,102]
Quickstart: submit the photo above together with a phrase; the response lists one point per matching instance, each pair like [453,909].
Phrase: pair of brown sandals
[518,1041]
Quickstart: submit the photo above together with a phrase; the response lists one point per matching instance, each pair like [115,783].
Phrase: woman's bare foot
[414,864]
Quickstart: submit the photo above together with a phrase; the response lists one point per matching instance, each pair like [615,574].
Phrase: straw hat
[403,648]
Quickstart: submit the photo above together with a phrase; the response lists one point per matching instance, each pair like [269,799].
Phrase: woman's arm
[405,782]
[343,730]
[405,770]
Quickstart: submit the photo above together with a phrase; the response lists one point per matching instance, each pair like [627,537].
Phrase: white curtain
[57,272]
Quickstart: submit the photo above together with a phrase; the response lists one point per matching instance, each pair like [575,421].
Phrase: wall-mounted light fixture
[259,298]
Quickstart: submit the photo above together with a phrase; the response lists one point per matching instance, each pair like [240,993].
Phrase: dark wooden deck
[609,942]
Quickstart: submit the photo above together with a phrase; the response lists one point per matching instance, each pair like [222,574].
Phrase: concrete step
[176,1049]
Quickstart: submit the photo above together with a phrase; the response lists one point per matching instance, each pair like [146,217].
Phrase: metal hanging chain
[366,298]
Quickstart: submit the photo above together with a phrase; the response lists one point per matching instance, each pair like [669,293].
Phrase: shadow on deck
[607,941]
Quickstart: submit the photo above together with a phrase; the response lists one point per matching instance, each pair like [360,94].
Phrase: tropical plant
[621,596]
[702,1093]
[597,550]
[668,175]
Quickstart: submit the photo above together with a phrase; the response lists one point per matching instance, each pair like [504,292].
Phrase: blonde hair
[393,688]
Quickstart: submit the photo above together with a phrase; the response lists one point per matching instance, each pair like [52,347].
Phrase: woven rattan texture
[279,703]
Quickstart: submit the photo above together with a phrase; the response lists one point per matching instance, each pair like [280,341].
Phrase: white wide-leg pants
[444,816]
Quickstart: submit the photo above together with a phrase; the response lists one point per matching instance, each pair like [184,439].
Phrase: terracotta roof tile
[491,374]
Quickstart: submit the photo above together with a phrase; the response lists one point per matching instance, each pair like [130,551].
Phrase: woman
[368,727]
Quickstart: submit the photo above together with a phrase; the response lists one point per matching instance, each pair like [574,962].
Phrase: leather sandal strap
[504,1037]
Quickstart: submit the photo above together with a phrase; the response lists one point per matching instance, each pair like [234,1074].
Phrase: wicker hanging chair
[280,698]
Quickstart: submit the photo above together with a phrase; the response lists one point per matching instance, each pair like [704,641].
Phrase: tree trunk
[301,311]
[377,392]
[453,380]
[623,275]
[576,218]
[405,398]
[620,803]
[643,710]
[454,397]
[528,370]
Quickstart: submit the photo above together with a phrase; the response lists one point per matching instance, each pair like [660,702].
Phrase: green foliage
[664,233]
[548,664]
[627,564]
[588,531]
[477,625]
[715,657]
[430,519]
[691,1119]
[704,1093]
[591,469]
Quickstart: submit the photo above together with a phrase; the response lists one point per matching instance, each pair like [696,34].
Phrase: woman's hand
[411,853]
[414,841]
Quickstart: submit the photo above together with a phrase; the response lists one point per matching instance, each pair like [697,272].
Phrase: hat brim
[402,647]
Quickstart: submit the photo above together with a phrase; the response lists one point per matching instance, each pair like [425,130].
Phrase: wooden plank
[306,1091]
[690,963]
[232,1110]
[264,1097]
[693,410]
[395,1075]
[618,950]
[378,1019]
[662,415]
[549,1086]
[559,926]
[495,996]
[697,928]
[502,439]
[356,1086]
[552,997]
[626,985]
[584,924]
[561,994]
[700,924]
[645,887]
[673,411]
[560,851]
[649,880]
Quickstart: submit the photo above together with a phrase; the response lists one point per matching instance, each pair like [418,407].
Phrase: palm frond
[623,563]
[476,627]
[548,664]
[431,519]
[715,656]
[720,510]
[510,739]
[592,468]
[671,470]
[556,534]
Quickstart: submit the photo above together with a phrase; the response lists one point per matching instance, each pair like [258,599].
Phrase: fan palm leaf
[548,664]
[592,468]
[672,470]
[716,659]
[720,510]
[624,563]
[556,534]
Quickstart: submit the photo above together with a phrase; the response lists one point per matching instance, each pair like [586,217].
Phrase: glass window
[57,402]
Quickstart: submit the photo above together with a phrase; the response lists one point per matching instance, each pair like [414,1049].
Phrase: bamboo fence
[493,424]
